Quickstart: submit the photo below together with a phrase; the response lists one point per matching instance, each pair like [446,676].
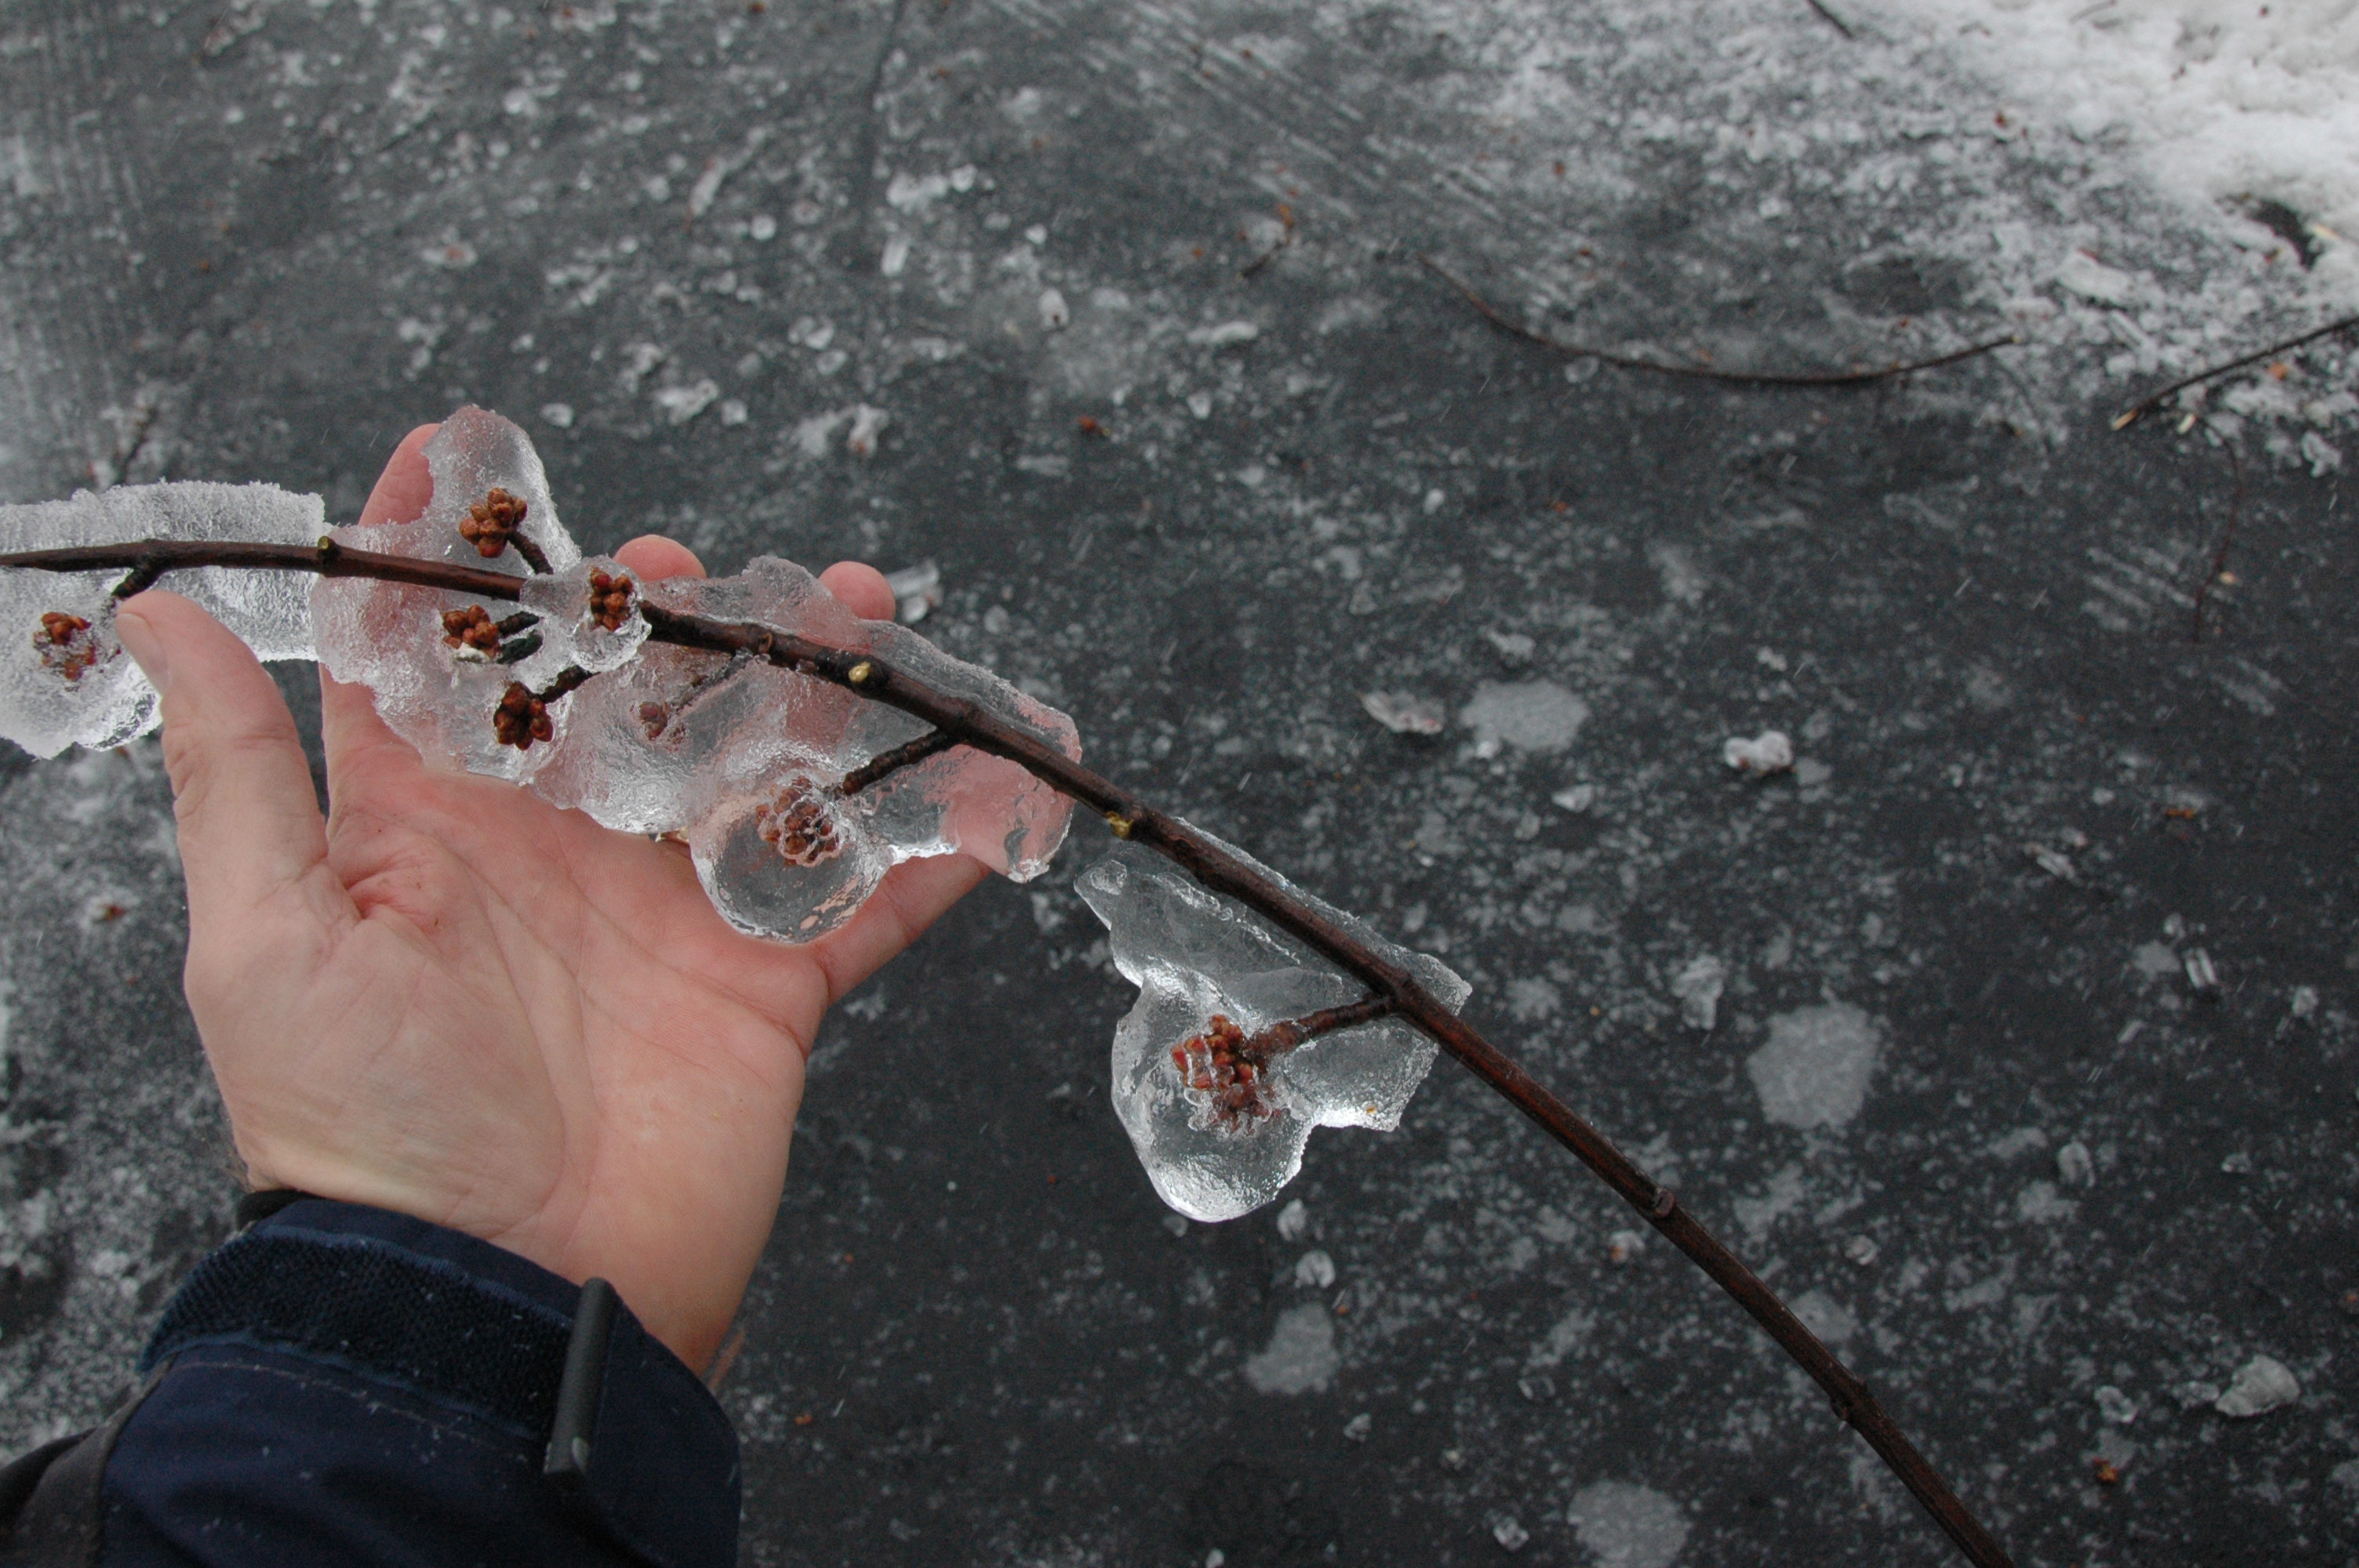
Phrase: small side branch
[1514,328]
[884,764]
[2153,400]
[1834,21]
[1281,1037]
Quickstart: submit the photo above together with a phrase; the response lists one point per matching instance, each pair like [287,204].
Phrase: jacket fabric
[338,1383]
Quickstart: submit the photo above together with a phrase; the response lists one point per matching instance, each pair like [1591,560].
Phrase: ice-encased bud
[590,614]
[792,863]
[61,685]
[678,739]
[1195,956]
[390,636]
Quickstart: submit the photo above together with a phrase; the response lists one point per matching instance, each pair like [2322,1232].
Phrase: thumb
[249,824]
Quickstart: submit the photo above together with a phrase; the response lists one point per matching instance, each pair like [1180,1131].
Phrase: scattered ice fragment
[1314,1271]
[1770,753]
[1576,798]
[2201,975]
[1357,1429]
[732,411]
[2195,1394]
[1177,1224]
[896,259]
[913,192]
[558,413]
[64,677]
[2261,1385]
[1293,1220]
[1227,332]
[2093,280]
[1300,1356]
[2304,1002]
[1405,713]
[1036,235]
[1531,716]
[1216,1147]
[1861,1250]
[1628,1526]
[1698,988]
[2115,1406]
[2236,1164]
[868,424]
[917,591]
[1054,312]
[1513,647]
[2073,1166]
[1453,1459]
[1771,659]
[1815,1068]
[1510,1534]
[2055,862]
[1624,1245]
[1200,404]
[762,228]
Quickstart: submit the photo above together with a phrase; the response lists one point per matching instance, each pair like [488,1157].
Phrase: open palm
[453,1000]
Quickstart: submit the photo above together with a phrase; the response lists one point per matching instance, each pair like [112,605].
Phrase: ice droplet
[61,685]
[1195,956]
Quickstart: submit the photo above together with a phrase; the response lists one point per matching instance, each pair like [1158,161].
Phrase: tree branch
[1514,328]
[885,764]
[1391,986]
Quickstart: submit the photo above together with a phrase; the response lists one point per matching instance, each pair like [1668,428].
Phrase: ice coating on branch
[742,756]
[390,636]
[1195,956]
[64,685]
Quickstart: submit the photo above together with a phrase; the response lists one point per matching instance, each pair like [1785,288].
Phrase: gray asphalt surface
[683,243]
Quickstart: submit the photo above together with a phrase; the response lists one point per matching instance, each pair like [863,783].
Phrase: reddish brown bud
[471,628]
[610,598]
[492,522]
[66,645]
[798,822]
[521,719]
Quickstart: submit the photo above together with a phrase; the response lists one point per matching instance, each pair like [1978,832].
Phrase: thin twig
[2227,538]
[2153,400]
[1284,1036]
[1840,25]
[1513,328]
[884,764]
[1217,869]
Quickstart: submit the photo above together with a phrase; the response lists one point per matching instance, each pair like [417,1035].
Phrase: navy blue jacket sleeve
[341,1384]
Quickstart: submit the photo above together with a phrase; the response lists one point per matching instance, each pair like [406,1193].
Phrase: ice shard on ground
[64,678]
[1197,958]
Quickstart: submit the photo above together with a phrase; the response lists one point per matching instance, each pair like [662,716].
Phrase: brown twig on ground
[2153,400]
[1500,320]
[1839,24]
[2227,538]
[1218,871]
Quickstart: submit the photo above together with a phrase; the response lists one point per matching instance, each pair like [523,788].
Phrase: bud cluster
[66,645]
[493,522]
[521,717]
[1226,1064]
[798,823]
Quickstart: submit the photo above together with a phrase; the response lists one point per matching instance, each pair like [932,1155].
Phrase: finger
[406,485]
[913,895]
[862,587]
[249,824]
[655,558]
[349,724]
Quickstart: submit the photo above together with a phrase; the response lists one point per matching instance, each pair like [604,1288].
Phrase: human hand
[453,1000]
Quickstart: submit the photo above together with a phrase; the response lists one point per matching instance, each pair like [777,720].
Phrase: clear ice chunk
[742,757]
[1197,958]
[63,684]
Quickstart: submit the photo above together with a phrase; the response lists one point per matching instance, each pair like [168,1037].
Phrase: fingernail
[145,646]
